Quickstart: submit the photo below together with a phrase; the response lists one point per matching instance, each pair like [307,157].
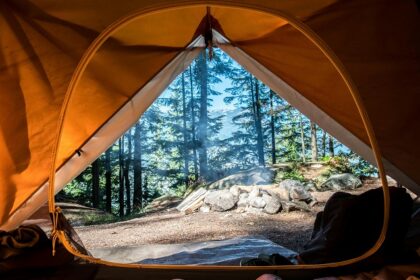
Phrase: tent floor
[100,272]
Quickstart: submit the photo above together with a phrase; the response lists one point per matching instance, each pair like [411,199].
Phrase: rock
[255,192]
[290,183]
[289,190]
[338,182]
[253,210]
[273,204]
[310,186]
[257,202]
[235,190]
[254,176]
[299,193]
[205,208]
[222,200]
[313,202]
[243,200]
[289,206]
[240,210]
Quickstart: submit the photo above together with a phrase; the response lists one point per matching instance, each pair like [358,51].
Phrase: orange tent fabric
[42,42]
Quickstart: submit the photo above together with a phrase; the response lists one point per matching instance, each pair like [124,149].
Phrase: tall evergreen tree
[95,184]
[185,132]
[193,124]
[331,146]
[203,119]
[121,175]
[137,169]
[108,182]
[324,143]
[314,142]
[258,123]
[302,137]
[127,164]
[272,128]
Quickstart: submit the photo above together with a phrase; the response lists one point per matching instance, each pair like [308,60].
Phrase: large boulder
[221,200]
[293,190]
[243,200]
[257,202]
[290,183]
[273,204]
[254,176]
[339,182]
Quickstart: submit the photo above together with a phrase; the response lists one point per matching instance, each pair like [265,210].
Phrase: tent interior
[76,75]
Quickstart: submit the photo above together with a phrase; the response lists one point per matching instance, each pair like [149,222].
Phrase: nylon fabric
[42,41]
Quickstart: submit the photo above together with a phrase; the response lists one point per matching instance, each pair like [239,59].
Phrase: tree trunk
[272,128]
[138,193]
[258,125]
[302,138]
[314,143]
[193,135]
[95,183]
[121,176]
[108,183]
[331,146]
[184,130]
[146,189]
[203,120]
[324,144]
[126,174]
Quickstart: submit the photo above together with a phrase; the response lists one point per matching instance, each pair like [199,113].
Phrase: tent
[76,74]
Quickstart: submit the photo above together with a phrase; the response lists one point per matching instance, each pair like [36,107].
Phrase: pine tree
[248,141]
[331,146]
[137,169]
[258,123]
[108,183]
[272,128]
[127,163]
[193,122]
[185,132]
[121,175]
[95,184]
[302,138]
[203,118]
[314,142]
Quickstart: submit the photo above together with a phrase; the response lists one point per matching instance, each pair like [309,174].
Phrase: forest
[215,119]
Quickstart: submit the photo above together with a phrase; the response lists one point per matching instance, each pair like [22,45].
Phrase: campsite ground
[169,226]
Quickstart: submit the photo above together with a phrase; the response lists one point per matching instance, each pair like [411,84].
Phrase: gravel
[291,230]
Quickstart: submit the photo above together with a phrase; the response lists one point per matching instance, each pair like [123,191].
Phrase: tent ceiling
[42,42]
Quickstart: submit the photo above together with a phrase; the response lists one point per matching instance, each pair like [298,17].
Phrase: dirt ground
[291,230]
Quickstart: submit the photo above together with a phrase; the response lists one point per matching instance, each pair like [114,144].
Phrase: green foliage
[361,167]
[339,164]
[350,163]
[293,173]
[325,158]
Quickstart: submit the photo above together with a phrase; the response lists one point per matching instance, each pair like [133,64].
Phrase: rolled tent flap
[42,42]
